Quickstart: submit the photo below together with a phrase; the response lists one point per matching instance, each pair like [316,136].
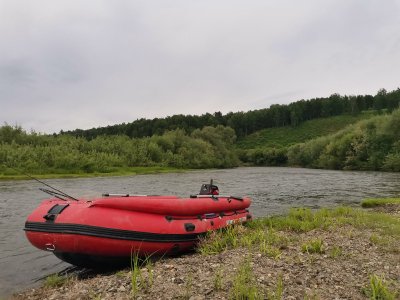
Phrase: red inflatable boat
[107,230]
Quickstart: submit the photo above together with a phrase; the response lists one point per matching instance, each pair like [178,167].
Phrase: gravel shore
[341,270]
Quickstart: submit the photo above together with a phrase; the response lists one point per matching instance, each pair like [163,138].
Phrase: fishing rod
[56,192]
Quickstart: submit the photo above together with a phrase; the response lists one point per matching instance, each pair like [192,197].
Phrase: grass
[135,274]
[286,136]
[80,174]
[379,240]
[375,202]
[268,233]
[268,241]
[335,252]
[378,289]
[55,280]
[218,276]
[188,287]
[312,296]
[277,294]
[244,284]
[139,280]
[313,246]
[218,241]
[269,250]
[121,274]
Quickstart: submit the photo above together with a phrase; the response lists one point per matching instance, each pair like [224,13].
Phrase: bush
[210,147]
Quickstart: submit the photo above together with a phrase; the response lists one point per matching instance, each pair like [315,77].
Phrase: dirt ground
[342,271]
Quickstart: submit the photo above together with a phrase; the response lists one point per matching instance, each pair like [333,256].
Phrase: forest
[218,141]
[245,123]
[209,147]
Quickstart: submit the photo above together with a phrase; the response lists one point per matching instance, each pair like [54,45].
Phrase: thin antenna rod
[48,185]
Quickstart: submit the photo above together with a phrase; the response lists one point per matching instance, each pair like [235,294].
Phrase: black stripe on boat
[111,233]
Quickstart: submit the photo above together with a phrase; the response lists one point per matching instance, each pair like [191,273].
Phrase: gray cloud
[74,64]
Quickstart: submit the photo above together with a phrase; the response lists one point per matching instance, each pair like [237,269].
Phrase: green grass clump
[267,240]
[312,296]
[218,276]
[55,280]
[304,220]
[219,241]
[188,287]
[244,284]
[138,279]
[374,202]
[335,252]
[301,220]
[121,274]
[313,246]
[277,294]
[379,240]
[269,250]
[378,289]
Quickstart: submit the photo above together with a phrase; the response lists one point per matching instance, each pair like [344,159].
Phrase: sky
[84,64]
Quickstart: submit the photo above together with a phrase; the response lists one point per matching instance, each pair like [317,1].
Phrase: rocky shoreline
[348,259]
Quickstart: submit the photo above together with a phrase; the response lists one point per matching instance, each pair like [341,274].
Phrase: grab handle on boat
[50,247]
[115,195]
[126,195]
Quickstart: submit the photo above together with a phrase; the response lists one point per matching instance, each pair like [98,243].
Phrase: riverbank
[340,253]
[116,172]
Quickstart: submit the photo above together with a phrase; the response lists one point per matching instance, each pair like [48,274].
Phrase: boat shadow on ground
[82,273]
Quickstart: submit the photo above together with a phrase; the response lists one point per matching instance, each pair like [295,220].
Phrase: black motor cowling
[209,189]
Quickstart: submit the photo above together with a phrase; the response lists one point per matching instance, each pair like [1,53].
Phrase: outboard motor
[209,189]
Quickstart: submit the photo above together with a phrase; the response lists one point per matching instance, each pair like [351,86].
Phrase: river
[273,190]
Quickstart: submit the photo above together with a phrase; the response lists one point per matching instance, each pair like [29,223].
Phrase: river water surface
[273,190]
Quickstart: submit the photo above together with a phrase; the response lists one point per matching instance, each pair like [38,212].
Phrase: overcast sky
[83,64]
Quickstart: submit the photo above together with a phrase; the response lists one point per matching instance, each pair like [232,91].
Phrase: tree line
[209,147]
[245,123]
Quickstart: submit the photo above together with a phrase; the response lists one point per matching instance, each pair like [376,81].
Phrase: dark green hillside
[288,135]
[245,123]
[372,144]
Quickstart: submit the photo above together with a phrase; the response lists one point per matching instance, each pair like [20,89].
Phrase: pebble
[121,289]
[197,297]
[168,266]
[54,296]
[208,292]
[177,280]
